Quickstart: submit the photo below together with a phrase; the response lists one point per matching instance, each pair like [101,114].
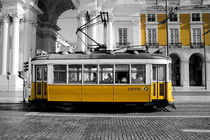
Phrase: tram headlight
[145,88]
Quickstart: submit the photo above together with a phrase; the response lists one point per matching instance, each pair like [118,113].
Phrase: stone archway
[195,69]
[175,69]
[47,23]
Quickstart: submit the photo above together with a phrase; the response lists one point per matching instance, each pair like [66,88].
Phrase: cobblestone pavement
[188,122]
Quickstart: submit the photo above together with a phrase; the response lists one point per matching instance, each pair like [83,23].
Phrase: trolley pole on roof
[167,47]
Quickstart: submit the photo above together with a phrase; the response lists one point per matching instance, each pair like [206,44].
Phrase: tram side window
[161,73]
[138,74]
[38,74]
[106,74]
[122,73]
[90,74]
[75,74]
[154,73]
[60,72]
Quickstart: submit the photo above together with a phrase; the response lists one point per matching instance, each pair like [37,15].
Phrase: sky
[68,24]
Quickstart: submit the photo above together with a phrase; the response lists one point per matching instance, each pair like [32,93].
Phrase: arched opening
[68,24]
[175,70]
[47,29]
[195,70]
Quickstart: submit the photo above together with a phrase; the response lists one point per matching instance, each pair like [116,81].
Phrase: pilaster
[184,73]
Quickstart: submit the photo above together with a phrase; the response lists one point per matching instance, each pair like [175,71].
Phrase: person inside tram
[139,78]
[109,78]
[124,80]
[94,77]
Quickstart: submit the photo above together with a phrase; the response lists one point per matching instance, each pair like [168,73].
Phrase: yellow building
[184,27]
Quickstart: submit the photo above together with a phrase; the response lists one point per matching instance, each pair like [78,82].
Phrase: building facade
[28,25]
[187,45]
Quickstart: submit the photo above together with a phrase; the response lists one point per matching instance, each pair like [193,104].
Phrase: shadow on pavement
[82,108]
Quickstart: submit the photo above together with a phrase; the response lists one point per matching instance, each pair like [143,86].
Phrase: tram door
[159,82]
[41,82]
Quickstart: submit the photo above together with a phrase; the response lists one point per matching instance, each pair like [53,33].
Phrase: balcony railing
[122,44]
[175,45]
[152,45]
[196,45]
[196,2]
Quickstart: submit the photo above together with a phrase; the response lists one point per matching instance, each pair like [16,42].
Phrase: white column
[110,41]
[185,73]
[94,28]
[81,37]
[15,45]
[5,45]
[27,41]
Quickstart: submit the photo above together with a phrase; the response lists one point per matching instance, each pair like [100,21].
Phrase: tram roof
[100,56]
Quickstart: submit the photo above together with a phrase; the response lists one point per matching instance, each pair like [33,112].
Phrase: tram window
[75,74]
[121,73]
[161,73]
[138,74]
[154,73]
[45,73]
[60,73]
[41,73]
[90,74]
[106,74]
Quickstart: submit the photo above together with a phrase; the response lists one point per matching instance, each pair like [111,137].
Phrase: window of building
[106,74]
[151,36]
[138,74]
[196,35]
[196,17]
[174,35]
[90,74]
[122,73]
[173,18]
[75,74]
[60,72]
[151,18]
[123,33]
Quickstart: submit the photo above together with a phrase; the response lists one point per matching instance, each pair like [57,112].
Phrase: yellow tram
[101,77]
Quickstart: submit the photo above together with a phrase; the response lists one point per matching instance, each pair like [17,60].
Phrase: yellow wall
[206,27]
[185,35]
[185,31]
[143,29]
[161,30]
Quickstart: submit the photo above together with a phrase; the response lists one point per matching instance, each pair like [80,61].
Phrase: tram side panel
[97,93]
[132,93]
[65,93]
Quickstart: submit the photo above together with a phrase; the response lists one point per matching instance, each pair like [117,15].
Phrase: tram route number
[138,89]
